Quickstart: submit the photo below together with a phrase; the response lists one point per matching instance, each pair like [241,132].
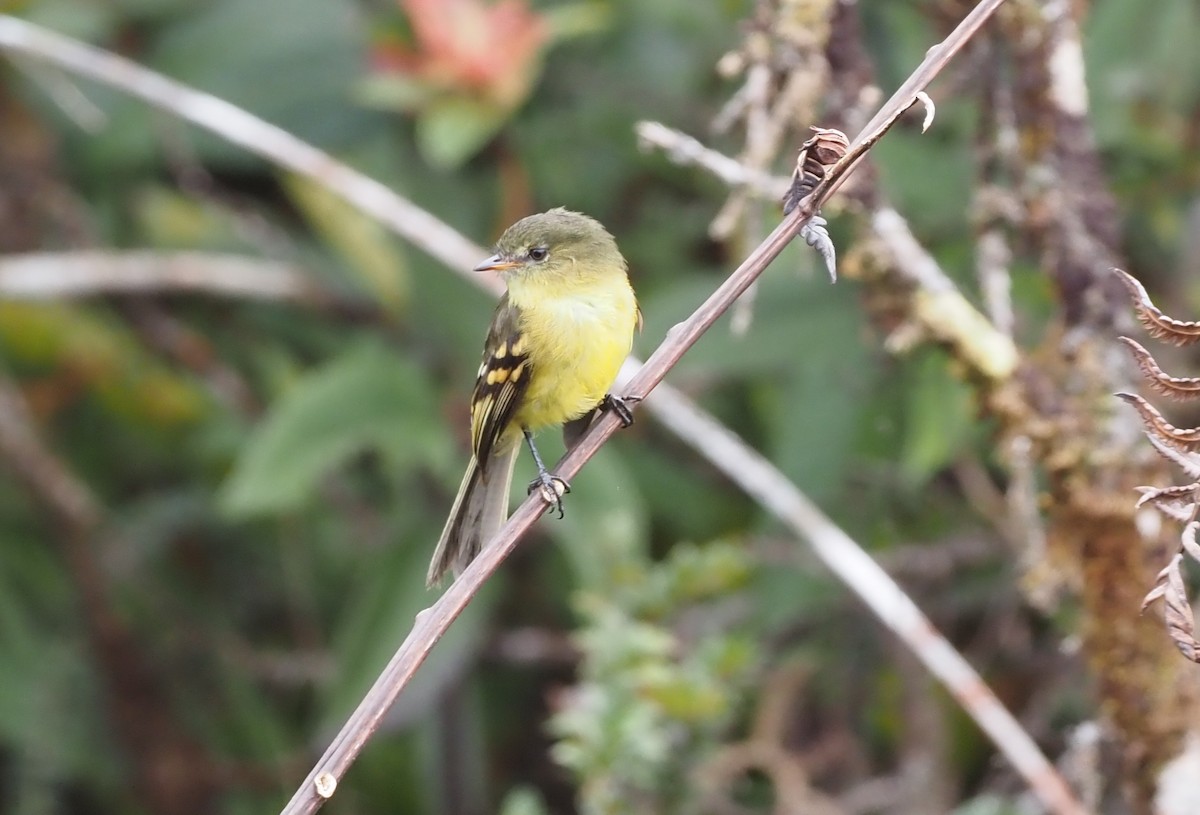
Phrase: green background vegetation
[270,502]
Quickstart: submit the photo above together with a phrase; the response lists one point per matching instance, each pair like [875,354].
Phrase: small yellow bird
[555,345]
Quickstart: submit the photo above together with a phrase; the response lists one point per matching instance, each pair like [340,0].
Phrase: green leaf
[523,801]
[293,62]
[452,130]
[80,19]
[816,403]
[392,91]
[369,397]
[105,356]
[573,20]
[938,419]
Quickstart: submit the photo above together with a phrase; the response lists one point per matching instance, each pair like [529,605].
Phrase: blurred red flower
[489,51]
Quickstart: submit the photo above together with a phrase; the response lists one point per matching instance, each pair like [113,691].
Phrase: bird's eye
[538,253]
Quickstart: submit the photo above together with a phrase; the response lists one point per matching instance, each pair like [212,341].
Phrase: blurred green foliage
[267,553]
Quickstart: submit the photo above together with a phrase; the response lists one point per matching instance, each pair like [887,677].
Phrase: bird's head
[555,245]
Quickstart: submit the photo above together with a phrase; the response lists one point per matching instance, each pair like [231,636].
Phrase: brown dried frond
[1184,438]
[1159,325]
[1174,387]
[1177,445]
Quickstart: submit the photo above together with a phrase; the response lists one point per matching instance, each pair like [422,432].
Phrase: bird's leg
[620,405]
[553,488]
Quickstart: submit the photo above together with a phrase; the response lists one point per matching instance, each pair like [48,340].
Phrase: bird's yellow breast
[577,340]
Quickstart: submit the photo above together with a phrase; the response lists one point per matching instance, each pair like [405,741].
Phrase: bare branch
[940,307]
[52,275]
[433,622]
[687,151]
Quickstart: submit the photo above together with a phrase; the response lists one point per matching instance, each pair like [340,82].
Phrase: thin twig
[940,307]
[686,151]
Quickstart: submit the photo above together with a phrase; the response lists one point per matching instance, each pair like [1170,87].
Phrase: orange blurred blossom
[489,50]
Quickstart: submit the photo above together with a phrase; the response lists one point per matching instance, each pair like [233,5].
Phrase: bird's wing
[502,381]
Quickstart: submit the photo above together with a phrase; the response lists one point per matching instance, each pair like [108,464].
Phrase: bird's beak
[496,263]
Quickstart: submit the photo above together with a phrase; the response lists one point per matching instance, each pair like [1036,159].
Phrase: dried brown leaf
[1159,325]
[1174,387]
[817,155]
[1177,611]
[1188,462]
[1156,593]
[1174,502]
[1185,438]
[1188,538]
[1155,495]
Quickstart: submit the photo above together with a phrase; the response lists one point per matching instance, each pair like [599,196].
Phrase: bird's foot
[552,488]
[620,405]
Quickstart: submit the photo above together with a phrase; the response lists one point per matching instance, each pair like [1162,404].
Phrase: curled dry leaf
[1160,583]
[1177,611]
[825,149]
[1189,539]
[1176,502]
[1174,387]
[1188,462]
[1185,438]
[817,155]
[1159,325]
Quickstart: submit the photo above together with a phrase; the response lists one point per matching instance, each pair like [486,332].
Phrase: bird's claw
[620,405]
[552,488]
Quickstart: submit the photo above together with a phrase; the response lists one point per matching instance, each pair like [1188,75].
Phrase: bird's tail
[479,511]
